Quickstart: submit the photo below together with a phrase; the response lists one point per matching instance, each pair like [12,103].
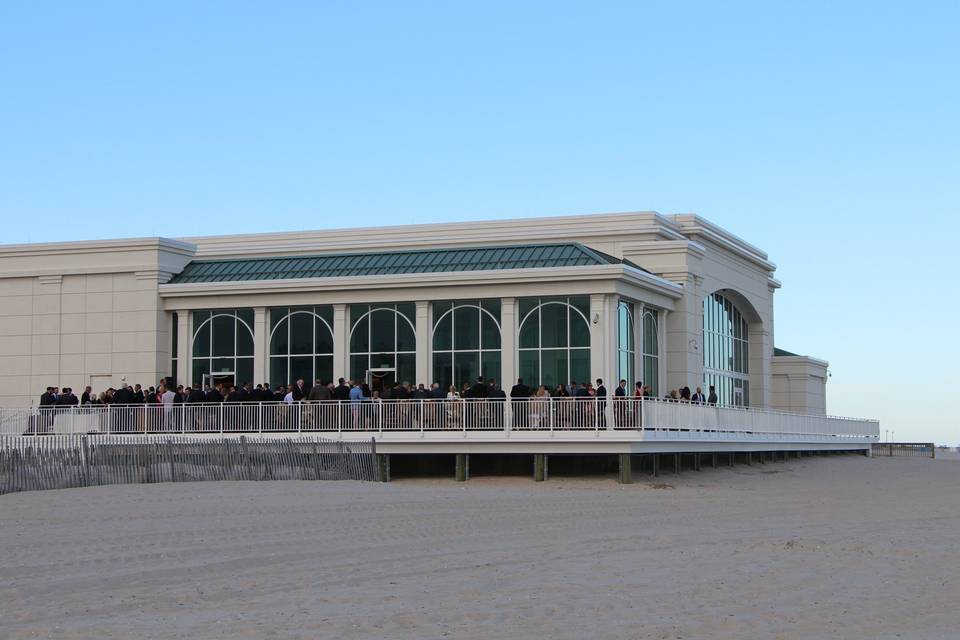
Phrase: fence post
[260,417]
[220,419]
[86,460]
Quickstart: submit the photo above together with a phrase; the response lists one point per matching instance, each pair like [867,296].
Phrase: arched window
[725,351]
[301,344]
[651,351]
[223,343]
[626,349]
[383,336]
[466,341]
[554,341]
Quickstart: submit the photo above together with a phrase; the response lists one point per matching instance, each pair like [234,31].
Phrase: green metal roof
[530,256]
[783,352]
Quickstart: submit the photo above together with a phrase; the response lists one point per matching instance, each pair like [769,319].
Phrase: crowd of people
[166,393]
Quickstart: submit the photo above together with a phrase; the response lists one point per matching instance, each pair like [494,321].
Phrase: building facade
[669,300]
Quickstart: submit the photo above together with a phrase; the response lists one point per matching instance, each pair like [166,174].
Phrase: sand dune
[815,548]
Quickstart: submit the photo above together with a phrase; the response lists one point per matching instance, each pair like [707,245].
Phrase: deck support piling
[676,464]
[539,467]
[656,465]
[626,471]
[383,467]
[696,462]
[714,460]
[749,458]
[463,467]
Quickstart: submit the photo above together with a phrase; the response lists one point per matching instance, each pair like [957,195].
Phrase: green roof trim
[783,352]
[530,256]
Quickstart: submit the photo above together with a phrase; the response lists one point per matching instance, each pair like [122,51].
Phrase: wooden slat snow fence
[29,463]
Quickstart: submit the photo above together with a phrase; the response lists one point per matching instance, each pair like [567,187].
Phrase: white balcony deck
[472,426]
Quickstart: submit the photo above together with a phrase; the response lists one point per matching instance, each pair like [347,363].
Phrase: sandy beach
[843,547]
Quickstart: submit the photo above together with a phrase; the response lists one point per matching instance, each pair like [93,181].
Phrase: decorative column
[185,372]
[423,344]
[603,336]
[261,346]
[508,344]
[341,342]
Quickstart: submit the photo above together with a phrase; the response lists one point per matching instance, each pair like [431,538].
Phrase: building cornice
[96,246]
[613,226]
[693,225]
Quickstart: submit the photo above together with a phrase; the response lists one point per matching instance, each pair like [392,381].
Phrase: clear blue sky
[826,133]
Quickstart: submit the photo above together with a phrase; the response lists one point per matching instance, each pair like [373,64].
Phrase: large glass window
[301,344]
[223,343]
[626,349]
[466,341]
[383,336]
[554,341]
[725,351]
[651,350]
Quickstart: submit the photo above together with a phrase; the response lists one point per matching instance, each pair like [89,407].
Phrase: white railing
[656,419]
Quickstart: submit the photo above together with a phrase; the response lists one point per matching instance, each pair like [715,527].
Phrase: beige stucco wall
[72,313]
[799,383]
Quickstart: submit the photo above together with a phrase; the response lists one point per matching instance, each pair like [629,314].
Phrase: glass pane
[301,333]
[525,305]
[276,315]
[174,334]
[407,368]
[530,368]
[359,340]
[278,343]
[443,370]
[406,339]
[555,369]
[466,328]
[200,367]
[301,368]
[382,360]
[649,334]
[358,367]
[244,371]
[466,367]
[325,311]
[382,330]
[201,343]
[278,371]
[490,336]
[650,375]
[223,335]
[553,325]
[442,335]
[580,365]
[624,334]
[579,330]
[224,364]
[493,306]
[246,315]
[324,338]
[323,368]
[244,340]
[530,331]
[582,303]
[408,309]
[490,367]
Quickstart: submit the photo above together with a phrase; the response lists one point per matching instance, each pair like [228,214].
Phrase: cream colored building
[670,300]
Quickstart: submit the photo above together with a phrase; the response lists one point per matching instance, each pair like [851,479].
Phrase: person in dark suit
[67,399]
[85,396]
[299,391]
[138,397]
[48,398]
[698,397]
[520,391]
[214,395]
[601,396]
[712,398]
[342,392]
[478,390]
[195,396]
